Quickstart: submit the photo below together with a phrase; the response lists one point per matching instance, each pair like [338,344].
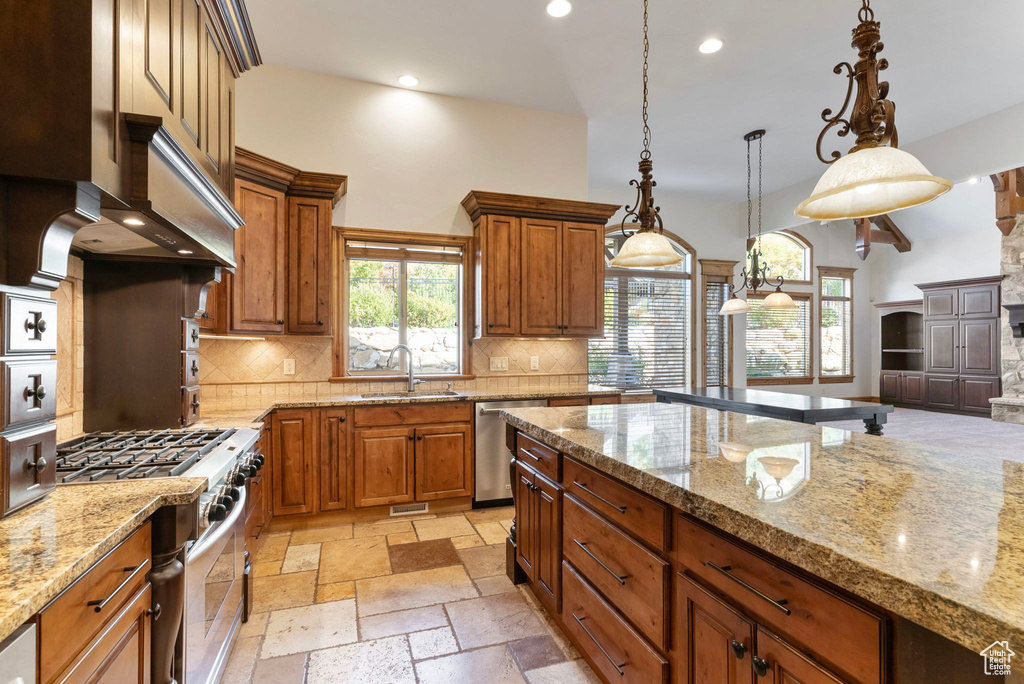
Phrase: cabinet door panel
[976,391]
[335,426]
[942,303]
[942,340]
[912,388]
[549,542]
[526,521]
[159,34]
[541,284]
[213,74]
[979,346]
[293,477]
[191,71]
[706,630]
[786,665]
[942,391]
[444,462]
[309,265]
[257,287]
[499,284]
[889,386]
[383,466]
[583,279]
[980,302]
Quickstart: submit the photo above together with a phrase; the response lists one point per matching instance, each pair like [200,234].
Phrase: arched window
[788,255]
[648,322]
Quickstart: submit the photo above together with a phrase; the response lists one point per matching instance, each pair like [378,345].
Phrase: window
[401,288]
[788,255]
[716,284]
[836,317]
[779,342]
[648,323]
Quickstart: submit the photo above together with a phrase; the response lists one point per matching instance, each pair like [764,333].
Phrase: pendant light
[757,275]
[875,177]
[647,247]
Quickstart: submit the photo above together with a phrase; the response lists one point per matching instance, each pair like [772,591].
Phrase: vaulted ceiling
[951,63]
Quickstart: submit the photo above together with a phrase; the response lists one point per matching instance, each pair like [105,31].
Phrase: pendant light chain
[866,13]
[760,166]
[750,201]
[646,154]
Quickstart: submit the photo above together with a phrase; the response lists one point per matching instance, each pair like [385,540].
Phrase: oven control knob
[216,512]
[232,493]
[255,461]
[226,501]
[236,478]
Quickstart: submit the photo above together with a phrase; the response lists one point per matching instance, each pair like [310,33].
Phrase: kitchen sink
[407,394]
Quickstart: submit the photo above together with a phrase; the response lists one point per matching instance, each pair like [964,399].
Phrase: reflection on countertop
[47,546]
[933,535]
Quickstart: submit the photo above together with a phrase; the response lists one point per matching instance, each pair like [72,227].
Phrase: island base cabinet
[715,642]
[783,664]
[539,534]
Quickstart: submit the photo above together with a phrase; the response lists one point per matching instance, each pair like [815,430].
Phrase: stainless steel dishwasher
[492,457]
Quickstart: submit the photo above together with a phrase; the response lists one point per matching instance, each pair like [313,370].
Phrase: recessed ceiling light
[134,222]
[185,251]
[710,46]
[408,81]
[973,180]
[559,8]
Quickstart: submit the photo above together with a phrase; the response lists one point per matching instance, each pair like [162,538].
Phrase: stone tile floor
[420,600]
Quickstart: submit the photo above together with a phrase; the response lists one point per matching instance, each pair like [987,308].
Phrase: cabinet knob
[37,325]
[195,367]
[155,612]
[760,666]
[490,325]
[195,335]
[38,392]
[38,465]
[341,419]
[280,322]
[419,436]
[410,438]
[319,322]
[739,649]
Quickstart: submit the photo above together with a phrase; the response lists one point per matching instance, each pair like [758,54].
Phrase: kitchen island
[695,537]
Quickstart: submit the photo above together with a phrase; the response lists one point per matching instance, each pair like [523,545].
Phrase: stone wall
[1010,408]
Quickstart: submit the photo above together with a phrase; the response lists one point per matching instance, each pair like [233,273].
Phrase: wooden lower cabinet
[942,391]
[901,387]
[526,520]
[714,641]
[975,391]
[335,442]
[783,664]
[294,453]
[549,541]
[383,466]
[444,462]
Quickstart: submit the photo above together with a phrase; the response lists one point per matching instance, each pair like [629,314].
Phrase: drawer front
[630,510]
[569,401]
[633,578]
[414,414]
[600,401]
[616,649]
[540,457]
[189,405]
[72,619]
[190,368]
[30,388]
[189,334]
[845,637]
[30,325]
[29,458]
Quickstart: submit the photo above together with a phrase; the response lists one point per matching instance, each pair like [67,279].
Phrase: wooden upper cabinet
[541,303]
[583,279]
[944,303]
[257,287]
[539,265]
[444,462]
[293,455]
[309,266]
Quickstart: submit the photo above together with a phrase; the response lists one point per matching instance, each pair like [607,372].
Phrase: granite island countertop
[225,417]
[48,545]
[932,535]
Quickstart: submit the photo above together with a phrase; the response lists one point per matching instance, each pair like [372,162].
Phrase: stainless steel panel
[18,657]
[492,458]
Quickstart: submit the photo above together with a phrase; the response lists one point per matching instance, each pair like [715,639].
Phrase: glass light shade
[646,250]
[779,300]
[870,182]
[777,466]
[734,305]
[733,451]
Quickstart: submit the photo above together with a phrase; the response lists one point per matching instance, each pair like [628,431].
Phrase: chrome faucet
[412,380]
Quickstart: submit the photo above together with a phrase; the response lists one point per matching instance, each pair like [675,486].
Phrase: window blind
[778,341]
[836,326]
[647,333]
[716,336]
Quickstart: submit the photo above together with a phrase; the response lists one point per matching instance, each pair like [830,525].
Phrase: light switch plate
[534,363]
[499,363]
[289,366]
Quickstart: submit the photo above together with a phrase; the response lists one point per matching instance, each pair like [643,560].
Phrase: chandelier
[875,177]
[757,271]
[647,247]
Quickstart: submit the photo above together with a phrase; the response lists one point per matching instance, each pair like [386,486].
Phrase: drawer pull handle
[579,621]
[532,455]
[100,605]
[621,579]
[780,604]
[620,509]
[760,666]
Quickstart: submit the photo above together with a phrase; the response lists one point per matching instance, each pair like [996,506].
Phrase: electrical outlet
[499,363]
[289,366]
[534,363]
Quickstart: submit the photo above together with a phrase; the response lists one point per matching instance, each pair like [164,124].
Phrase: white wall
[410,156]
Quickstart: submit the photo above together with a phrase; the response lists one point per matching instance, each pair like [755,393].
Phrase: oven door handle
[223,528]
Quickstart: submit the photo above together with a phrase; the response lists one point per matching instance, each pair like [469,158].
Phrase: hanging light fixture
[875,177]
[757,272]
[647,247]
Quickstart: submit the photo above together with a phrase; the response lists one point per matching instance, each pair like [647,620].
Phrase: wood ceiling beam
[881,229]
[1009,186]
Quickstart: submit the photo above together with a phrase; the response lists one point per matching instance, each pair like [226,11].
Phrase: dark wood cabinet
[891,386]
[541,286]
[497,248]
[942,391]
[582,279]
[383,464]
[309,266]
[942,303]
[293,460]
[335,443]
[975,392]
[786,665]
[979,346]
[942,346]
[980,301]
[258,284]
[548,536]
[526,520]
[912,388]
[714,642]
[444,462]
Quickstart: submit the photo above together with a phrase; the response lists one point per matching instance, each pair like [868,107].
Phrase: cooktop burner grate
[135,455]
